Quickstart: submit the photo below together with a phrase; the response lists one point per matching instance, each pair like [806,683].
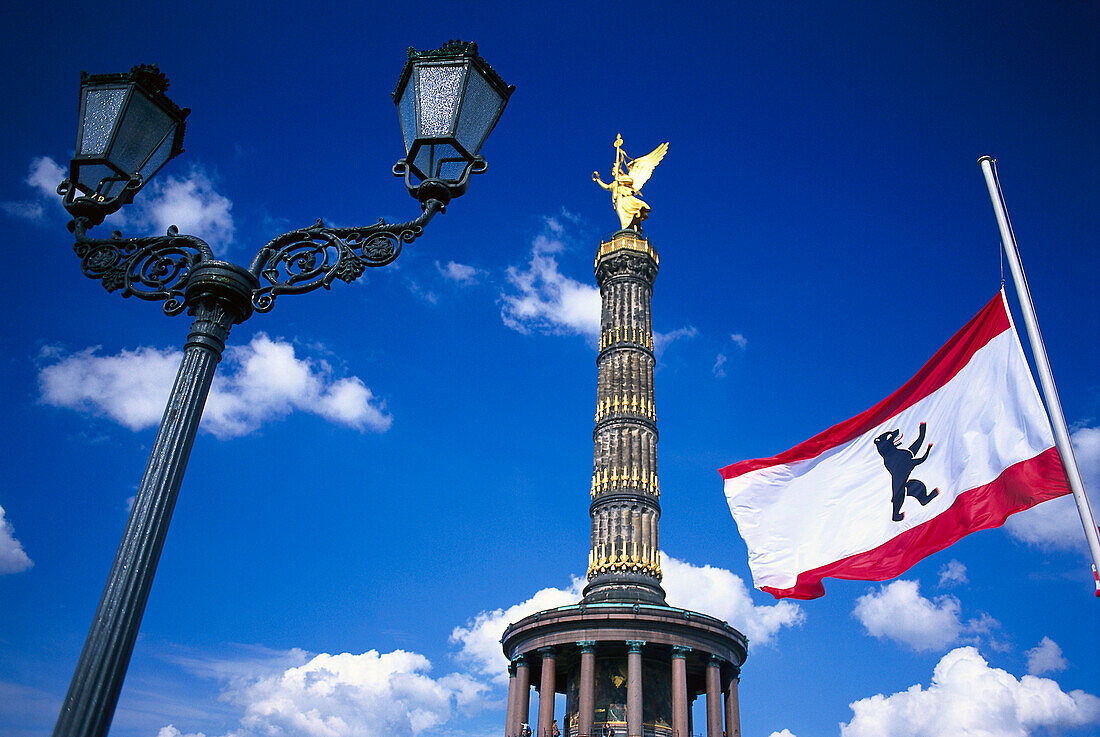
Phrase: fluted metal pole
[218,296]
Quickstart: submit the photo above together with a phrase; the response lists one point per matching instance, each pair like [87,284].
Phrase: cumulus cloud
[1056,524]
[370,694]
[190,203]
[968,697]
[739,340]
[479,639]
[261,381]
[1046,657]
[784,733]
[171,731]
[43,176]
[12,557]
[541,298]
[898,612]
[953,573]
[723,594]
[459,273]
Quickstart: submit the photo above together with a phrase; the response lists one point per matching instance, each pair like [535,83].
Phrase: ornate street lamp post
[448,102]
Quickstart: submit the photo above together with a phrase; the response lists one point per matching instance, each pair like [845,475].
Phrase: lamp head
[448,101]
[128,130]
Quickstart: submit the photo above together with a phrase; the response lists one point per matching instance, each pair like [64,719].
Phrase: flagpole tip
[987,157]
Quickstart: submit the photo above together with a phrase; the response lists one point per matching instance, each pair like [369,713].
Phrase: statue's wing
[641,169]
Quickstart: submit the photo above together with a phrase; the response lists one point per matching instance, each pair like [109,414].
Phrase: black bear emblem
[900,462]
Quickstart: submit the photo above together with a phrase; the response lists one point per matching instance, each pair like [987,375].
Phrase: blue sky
[393,470]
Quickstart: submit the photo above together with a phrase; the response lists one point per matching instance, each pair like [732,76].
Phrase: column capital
[511,669]
[634,646]
[547,652]
[520,661]
[680,651]
[714,661]
[587,646]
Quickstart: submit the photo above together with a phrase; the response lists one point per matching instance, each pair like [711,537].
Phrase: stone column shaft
[733,710]
[634,688]
[511,718]
[586,698]
[714,698]
[546,693]
[679,693]
[523,695]
[623,564]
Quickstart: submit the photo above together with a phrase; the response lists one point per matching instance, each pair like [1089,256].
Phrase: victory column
[626,660]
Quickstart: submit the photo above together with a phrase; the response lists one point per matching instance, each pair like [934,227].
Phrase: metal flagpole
[1046,378]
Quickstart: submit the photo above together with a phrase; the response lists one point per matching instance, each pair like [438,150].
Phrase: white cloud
[739,340]
[1046,657]
[784,733]
[131,388]
[171,731]
[26,209]
[1056,525]
[418,291]
[953,573]
[968,697]
[898,612]
[261,381]
[479,639]
[371,694]
[723,594]
[43,176]
[459,273]
[12,557]
[544,299]
[717,369]
[189,203]
[661,341]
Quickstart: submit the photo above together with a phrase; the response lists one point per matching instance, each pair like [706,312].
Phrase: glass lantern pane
[481,106]
[159,157]
[431,159]
[112,188]
[438,89]
[90,175]
[143,126]
[100,111]
[407,110]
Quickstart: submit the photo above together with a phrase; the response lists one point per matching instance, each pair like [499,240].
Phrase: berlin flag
[964,444]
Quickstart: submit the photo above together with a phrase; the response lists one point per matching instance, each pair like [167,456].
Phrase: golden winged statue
[626,185]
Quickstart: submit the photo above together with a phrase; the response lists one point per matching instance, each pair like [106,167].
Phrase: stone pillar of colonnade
[733,707]
[586,697]
[546,692]
[523,694]
[634,687]
[511,718]
[714,697]
[679,692]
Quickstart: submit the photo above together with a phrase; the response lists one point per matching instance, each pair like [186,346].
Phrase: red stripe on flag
[944,366]
[1021,486]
